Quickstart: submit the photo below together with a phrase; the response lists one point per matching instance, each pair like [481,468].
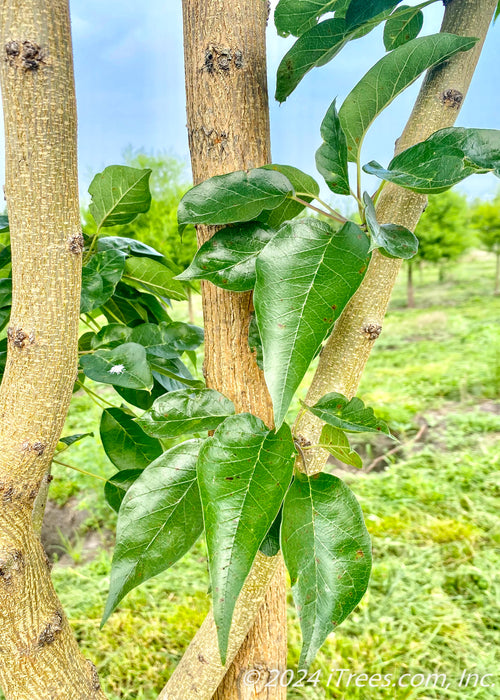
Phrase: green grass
[433,601]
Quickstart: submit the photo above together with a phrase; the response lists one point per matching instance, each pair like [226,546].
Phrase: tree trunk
[409,287]
[228,128]
[40,659]
[497,275]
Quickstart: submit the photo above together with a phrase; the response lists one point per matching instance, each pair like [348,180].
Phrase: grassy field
[433,602]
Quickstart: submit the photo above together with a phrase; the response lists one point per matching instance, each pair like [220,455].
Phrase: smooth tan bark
[347,351]
[39,657]
[228,128]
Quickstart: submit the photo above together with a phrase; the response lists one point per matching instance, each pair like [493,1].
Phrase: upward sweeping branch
[39,655]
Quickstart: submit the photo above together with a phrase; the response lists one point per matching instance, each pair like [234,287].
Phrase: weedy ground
[433,602]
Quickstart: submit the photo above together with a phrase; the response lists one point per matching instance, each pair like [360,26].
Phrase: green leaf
[119,194]
[389,77]
[127,246]
[99,279]
[227,259]
[5,256]
[173,374]
[124,441]
[155,277]
[403,26]
[360,11]
[181,336]
[159,521]
[497,11]
[327,552]
[141,399]
[69,440]
[243,474]
[331,156]
[301,183]
[150,336]
[4,224]
[349,415]
[117,486]
[233,198]
[305,277]
[5,292]
[125,366]
[255,342]
[297,16]
[186,411]
[110,336]
[447,157]
[394,240]
[336,442]
[270,545]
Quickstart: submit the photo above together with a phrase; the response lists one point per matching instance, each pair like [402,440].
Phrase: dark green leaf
[349,415]
[271,543]
[227,259]
[155,277]
[173,374]
[123,311]
[119,194]
[69,440]
[124,441]
[141,399]
[125,366]
[5,292]
[335,441]
[99,279]
[305,277]
[237,197]
[127,245]
[186,411]
[297,16]
[389,77]
[331,156]
[4,317]
[394,240]
[497,11]
[159,521]
[403,26]
[305,187]
[255,342]
[110,336]
[183,337]
[5,256]
[327,552]
[360,11]
[117,486]
[150,336]
[4,224]
[243,474]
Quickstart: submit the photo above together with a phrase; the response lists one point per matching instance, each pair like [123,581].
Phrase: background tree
[444,234]
[485,217]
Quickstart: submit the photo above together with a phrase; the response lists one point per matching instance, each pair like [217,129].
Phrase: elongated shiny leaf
[393,240]
[128,246]
[227,259]
[360,11]
[124,441]
[99,279]
[327,552]
[186,411]
[402,27]
[297,16]
[125,366]
[243,474]
[349,415]
[389,77]
[159,521]
[234,198]
[305,277]
[331,156]
[305,187]
[336,442]
[119,194]
[117,486]
[173,374]
[154,277]
[447,157]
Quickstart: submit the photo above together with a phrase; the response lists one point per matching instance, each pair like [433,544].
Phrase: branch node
[76,243]
[49,633]
[11,563]
[372,330]
[452,98]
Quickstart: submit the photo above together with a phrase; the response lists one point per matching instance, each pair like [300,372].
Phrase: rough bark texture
[228,128]
[346,353]
[39,657]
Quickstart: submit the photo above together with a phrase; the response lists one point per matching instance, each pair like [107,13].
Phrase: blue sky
[130,89]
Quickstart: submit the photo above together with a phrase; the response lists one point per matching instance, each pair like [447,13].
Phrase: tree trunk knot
[19,338]
[76,243]
[452,98]
[220,59]
[37,447]
[11,563]
[49,633]
[26,54]
[94,677]
[372,330]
